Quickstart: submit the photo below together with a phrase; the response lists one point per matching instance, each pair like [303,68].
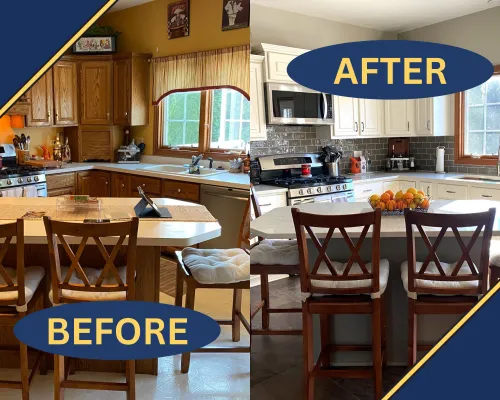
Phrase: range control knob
[344,186]
[337,187]
[36,178]
[19,180]
[301,192]
[9,182]
[329,188]
[309,191]
[320,190]
[28,179]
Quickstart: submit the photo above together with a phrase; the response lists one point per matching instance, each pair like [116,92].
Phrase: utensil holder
[333,168]
[22,156]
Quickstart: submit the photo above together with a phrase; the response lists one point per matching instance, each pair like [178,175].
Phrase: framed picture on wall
[236,14]
[178,19]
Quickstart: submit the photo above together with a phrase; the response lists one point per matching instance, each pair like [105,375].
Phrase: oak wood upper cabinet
[100,184]
[65,93]
[91,142]
[40,113]
[83,182]
[120,185]
[96,91]
[131,89]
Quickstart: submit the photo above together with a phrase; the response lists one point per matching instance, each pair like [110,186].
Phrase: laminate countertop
[223,179]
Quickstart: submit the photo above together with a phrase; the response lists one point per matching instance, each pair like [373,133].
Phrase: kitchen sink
[181,170]
[480,178]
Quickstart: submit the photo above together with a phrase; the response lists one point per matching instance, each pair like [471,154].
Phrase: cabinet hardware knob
[123,185]
[485,195]
[179,190]
[126,113]
[48,113]
[428,125]
[362,126]
[408,126]
[143,185]
[107,183]
[108,114]
[449,191]
[356,125]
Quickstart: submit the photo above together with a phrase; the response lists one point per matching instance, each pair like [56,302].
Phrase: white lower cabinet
[392,185]
[426,187]
[363,191]
[451,192]
[268,202]
[479,193]
[405,185]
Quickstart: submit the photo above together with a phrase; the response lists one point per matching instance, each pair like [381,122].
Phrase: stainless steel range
[19,180]
[285,170]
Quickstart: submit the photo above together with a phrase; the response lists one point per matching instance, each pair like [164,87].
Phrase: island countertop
[278,224]
[151,233]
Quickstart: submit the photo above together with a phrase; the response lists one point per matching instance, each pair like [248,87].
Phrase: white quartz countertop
[224,179]
[278,224]
[151,233]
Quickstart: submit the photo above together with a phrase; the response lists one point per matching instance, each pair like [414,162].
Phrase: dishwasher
[228,206]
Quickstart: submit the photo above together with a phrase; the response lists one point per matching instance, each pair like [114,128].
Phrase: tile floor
[276,361]
[211,376]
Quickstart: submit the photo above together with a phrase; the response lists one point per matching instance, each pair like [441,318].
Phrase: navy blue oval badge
[390,69]
[117,330]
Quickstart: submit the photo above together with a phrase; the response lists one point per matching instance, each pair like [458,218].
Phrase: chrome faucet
[194,168]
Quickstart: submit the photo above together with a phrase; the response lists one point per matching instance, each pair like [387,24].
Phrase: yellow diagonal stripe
[57,56]
[442,341]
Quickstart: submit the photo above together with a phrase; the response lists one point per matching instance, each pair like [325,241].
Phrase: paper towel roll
[440,159]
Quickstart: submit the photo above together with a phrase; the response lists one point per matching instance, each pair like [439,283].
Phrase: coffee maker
[398,155]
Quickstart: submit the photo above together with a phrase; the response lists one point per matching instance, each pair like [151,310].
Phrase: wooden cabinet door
[400,117]
[346,111]
[96,144]
[122,92]
[83,182]
[100,184]
[258,128]
[65,93]
[96,92]
[41,113]
[371,117]
[423,116]
[120,185]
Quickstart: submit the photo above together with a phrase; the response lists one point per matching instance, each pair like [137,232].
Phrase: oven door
[297,105]
[342,197]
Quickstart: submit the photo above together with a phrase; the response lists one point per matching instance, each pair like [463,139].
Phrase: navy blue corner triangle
[466,367]
[33,32]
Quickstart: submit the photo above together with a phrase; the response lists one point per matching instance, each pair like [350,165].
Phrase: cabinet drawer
[270,202]
[365,190]
[181,190]
[479,193]
[452,192]
[60,181]
[149,185]
[60,192]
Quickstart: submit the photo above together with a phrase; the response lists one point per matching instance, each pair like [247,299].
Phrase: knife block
[22,156]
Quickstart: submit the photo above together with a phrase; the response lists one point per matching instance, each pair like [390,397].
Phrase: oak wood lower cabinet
[120,185]
[83,182]
[181,190]
[100,184]
[151,186]
[60,184]
[94,142]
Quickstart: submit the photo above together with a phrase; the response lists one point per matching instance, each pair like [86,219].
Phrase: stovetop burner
[13,171]
[318,180]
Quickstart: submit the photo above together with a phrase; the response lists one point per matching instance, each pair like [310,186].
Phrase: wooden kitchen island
[152,236]
[278,224]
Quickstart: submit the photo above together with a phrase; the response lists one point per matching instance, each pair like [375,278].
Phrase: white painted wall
[269,25]
[477,32]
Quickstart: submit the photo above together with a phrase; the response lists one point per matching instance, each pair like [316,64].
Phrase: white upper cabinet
[443,115]
[400,117]
[346,111]
[371,117]
[277,59]
[257,106]
[424,116]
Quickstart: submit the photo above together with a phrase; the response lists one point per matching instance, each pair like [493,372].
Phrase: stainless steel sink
[480,178]
[181,170]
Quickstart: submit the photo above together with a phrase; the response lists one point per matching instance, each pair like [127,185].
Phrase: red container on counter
[306,170]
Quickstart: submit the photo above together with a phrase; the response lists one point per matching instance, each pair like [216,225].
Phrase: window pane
[192,132]
[245,131]
[476,118]
[493,117]
[176,106]
[475,95]
[174,136]
[246,110]
[193,106]
[475,143]
[493,94]
[492,142]
[181,119]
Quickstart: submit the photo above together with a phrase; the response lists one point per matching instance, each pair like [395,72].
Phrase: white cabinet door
[257,108]
[277,65]
[444,115]
[425,187]
[268,202]
[424,116]
[346,116]
[400,117]
[394,186]
[371,117]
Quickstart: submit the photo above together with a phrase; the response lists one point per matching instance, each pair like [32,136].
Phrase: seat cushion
[275,252]
[432,269]
[495,252]
[92,276]
[210,267]
[355,269]
[32,278]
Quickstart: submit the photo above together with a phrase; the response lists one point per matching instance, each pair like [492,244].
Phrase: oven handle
[325,108]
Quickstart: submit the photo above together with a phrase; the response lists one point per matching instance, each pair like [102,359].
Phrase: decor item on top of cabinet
[236,14]
[97,40]
[178,19]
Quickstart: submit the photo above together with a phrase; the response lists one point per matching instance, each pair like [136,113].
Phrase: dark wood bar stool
[20,290]
[76,284]
[271,257]
[494,262]
[436,287]
[354,287]
[216,269]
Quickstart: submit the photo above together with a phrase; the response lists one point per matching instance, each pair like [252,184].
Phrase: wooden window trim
[460,157]
[204,134]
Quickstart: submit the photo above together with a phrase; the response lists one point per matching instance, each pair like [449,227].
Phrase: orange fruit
[404,205]
[381,205]
[385,197]
[391,205]
[390,193]
[408,197]
[412,191]
[401,205]
[399,195]
[421,192]
[424,204]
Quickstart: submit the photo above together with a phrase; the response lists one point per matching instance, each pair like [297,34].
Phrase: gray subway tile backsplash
[302,139]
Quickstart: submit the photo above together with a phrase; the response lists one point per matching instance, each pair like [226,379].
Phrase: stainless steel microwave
[291,104]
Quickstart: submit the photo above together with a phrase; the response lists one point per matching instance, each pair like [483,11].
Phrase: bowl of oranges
[395,204]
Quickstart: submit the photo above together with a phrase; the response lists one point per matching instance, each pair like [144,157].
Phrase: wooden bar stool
[354,287]
[436,287]
[216,269]
[76,284]
[494,262]
[271,257]
[20,290]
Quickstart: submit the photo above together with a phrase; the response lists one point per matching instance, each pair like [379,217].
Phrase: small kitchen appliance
[285,170]
[440,160]
[398,155]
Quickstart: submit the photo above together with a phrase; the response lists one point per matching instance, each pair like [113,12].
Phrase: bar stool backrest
[60,231]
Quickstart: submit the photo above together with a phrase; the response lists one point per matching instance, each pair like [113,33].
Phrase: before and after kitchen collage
[251,199]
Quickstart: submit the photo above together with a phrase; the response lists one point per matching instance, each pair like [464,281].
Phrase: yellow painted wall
[144,30]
